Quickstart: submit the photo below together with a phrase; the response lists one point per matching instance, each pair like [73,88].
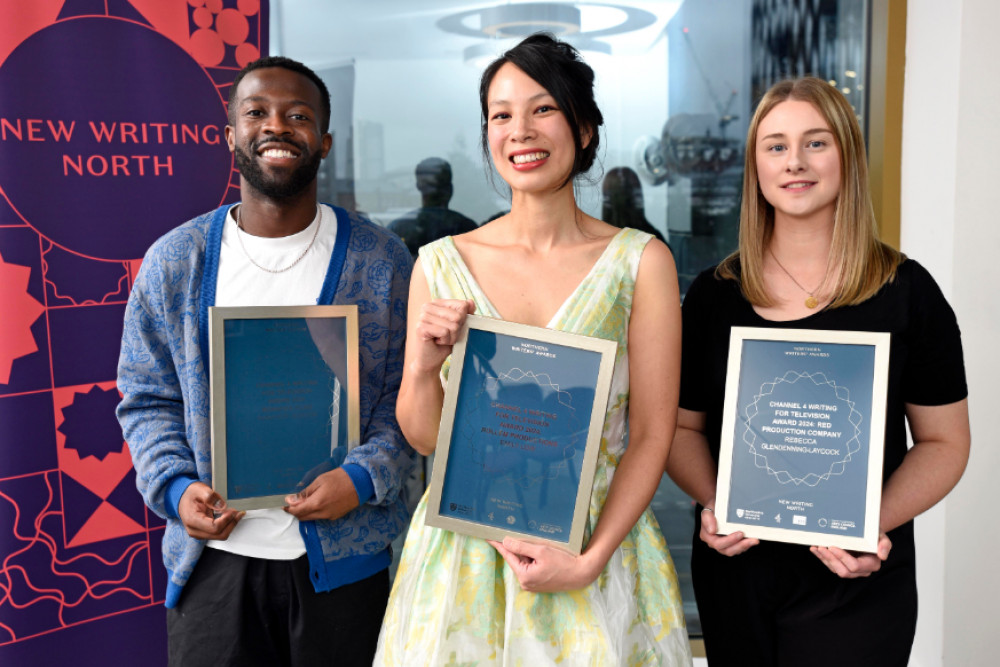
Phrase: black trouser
[247,611]
[777,605]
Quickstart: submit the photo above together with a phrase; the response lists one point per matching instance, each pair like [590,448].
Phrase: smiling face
[275,133]
[798,162]
[529,137]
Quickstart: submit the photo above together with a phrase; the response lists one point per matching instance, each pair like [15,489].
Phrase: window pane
[676,82]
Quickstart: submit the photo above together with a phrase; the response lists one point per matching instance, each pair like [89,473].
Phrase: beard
[281,186]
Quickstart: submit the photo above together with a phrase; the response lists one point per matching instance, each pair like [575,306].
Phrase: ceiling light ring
[635,19]
[521,20]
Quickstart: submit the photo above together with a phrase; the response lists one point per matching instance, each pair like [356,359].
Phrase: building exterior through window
[677,81]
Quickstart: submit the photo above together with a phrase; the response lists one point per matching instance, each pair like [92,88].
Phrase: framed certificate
[802,436]
[520,432]
[284,397]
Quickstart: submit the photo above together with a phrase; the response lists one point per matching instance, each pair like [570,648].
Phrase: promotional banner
[111,133]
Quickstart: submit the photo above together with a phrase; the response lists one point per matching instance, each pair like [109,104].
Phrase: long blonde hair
[862,262]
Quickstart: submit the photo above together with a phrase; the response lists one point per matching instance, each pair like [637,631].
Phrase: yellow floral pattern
[455,601]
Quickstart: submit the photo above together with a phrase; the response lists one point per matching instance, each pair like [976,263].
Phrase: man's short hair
[434,177]
[293,66]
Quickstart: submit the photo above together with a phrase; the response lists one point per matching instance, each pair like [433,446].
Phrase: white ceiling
[324,32]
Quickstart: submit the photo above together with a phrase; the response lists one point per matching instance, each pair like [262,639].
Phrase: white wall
[950,223]
[972,585]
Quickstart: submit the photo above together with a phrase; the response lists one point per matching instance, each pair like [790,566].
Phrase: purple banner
[111,133]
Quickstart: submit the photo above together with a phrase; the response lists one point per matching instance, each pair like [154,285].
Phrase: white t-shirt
[272,533]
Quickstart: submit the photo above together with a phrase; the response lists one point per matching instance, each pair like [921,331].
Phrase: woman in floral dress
[466,601]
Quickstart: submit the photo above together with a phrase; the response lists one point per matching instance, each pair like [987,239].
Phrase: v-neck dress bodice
[447,272]
[455,601]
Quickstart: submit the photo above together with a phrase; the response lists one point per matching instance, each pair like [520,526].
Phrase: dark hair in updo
[558,68]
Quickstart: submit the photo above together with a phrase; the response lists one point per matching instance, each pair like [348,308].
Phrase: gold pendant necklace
[811,300]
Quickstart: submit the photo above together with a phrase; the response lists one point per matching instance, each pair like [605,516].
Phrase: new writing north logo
[134,154]
[123,134]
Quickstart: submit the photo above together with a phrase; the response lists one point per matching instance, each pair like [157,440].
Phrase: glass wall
[676,81]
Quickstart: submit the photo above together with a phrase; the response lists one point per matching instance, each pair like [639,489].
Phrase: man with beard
[305,585]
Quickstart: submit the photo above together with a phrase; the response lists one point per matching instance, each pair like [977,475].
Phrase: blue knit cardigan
[163,377]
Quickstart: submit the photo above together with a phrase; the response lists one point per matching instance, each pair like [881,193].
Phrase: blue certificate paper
[284,399]
[520,432]
[802,436]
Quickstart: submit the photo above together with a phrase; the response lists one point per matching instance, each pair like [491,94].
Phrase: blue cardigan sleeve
[384,454]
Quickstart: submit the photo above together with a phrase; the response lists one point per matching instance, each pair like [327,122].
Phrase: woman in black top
[809,257]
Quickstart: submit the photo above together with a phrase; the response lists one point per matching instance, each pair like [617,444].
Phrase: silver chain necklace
[811,300]
[240,231]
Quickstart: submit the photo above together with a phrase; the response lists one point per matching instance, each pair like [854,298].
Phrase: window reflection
[676,80]
[433,219]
